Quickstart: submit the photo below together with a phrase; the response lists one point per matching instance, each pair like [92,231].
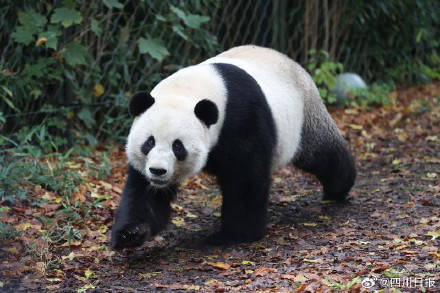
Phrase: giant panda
[238,116]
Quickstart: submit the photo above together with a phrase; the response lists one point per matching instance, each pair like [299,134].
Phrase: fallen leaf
[40,41]
[395,120]
[432,138]
[434,234]
[431,175]
[98,90]
[73,165]
[70,256]
[313,260]
[89,274]
[219,265]
[103,229]
[261,271]
[356,127]
[310,224]
[178,221]
[300,278]
[191,287]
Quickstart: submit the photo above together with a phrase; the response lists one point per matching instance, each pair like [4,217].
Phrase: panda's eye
[148,145]
[179,150]
[177,145]
[151,142]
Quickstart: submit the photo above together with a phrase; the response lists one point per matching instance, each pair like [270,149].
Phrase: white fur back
[283,82]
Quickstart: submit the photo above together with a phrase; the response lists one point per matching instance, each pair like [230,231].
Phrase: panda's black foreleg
[143,211]
[244,208]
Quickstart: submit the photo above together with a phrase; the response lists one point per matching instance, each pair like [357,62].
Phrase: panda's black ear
[207,112]
[140,102]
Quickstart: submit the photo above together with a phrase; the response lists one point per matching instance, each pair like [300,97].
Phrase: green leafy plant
[79,62]
[6,231]
[27,161]
[375,95]
[324,74]
[415,71]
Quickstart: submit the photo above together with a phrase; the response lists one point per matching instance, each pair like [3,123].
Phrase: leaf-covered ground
[389,231]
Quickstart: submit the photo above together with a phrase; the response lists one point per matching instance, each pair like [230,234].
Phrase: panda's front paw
[130,235]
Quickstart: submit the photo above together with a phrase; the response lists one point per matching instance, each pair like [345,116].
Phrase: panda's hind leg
[323,152]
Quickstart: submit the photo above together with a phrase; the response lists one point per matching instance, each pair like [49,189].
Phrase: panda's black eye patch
[179,150]
[148,145]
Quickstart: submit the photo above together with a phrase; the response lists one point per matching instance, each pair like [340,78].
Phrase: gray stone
[345,82]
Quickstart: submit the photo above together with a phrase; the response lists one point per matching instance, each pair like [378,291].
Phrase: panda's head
[168,142]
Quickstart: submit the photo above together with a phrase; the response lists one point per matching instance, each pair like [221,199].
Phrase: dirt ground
[386,235]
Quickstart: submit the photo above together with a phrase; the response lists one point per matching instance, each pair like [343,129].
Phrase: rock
[345,82]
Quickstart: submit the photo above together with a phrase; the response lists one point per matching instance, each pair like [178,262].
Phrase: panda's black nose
[158,171]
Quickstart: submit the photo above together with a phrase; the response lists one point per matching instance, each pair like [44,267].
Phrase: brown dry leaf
[378,131]
[117,189]
[300,278]
[53,287]
[50,207]
[72,243]
[191,287]
[194,182]
[106,185]
[356,126]
[434,234]
[392,96]
[318,260]
[215,202]
[351,111]
[402,136]
[79,196]
[213,282]
[70,256]
[395,120]
[23,226]
[288,277]
[432,138]
[264,271]
[178,221]
[219,265]
[376,214]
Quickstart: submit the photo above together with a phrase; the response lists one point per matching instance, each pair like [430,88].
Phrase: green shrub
[79,62]
[397,35]
[414,71]
[26,165]
[324,73]
[375,95]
